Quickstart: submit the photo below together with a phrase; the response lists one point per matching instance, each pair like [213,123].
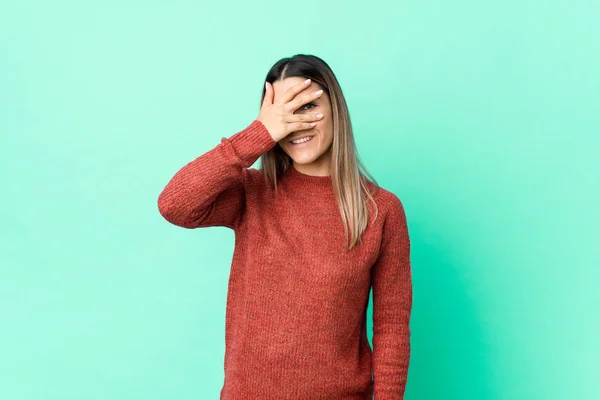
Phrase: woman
[312,236]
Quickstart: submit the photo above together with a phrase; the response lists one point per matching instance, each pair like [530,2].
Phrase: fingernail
[307,81]
[319,91]
[267,85]
[319,115]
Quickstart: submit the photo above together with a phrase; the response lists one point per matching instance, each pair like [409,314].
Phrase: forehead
[281,86]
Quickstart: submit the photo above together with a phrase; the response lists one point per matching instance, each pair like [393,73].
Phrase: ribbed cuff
[251,142]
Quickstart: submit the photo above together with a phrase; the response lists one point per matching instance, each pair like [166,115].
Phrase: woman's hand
[279,117]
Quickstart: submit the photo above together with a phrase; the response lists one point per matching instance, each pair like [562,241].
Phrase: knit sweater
[295,325]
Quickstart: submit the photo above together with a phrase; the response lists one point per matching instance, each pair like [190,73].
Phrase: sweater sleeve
[392,303]
[210,190]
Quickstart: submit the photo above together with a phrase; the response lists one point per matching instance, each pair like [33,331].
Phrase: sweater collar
[296,177]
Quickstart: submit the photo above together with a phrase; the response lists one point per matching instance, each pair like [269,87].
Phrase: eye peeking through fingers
[311,104]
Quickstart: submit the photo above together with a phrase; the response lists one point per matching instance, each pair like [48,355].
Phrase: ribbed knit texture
[297,299]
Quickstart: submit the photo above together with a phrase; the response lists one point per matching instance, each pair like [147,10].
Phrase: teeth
[305,139]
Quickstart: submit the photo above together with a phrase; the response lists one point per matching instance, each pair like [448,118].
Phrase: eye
[308,104]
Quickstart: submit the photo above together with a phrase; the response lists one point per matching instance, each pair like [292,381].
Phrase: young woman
[313,235]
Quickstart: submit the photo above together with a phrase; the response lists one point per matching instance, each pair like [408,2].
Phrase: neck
[313,169]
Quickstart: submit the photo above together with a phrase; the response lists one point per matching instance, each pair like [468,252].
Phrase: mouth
[301,140]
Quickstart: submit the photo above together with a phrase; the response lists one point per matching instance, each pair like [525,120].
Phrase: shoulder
[251,174]
[388,202]
[393,223]
[391,210]
[254,179]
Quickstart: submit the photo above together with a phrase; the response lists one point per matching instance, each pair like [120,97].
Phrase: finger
[268,99]
[302,117]
[294,90]
[298,126]
[301,100]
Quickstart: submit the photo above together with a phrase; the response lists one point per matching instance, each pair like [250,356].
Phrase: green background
[483,117]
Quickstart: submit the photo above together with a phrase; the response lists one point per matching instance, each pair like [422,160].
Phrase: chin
[303,159]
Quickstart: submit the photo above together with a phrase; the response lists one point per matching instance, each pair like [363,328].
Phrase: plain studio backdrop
[483,117]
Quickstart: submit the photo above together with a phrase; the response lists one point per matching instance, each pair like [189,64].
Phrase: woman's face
[318,148]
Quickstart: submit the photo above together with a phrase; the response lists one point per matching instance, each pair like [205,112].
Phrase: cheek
[325,127]
[324,122]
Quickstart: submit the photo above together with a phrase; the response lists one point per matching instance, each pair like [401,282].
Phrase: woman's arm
[210,190]
[392,303]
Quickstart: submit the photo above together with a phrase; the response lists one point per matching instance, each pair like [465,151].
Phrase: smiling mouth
[301,140]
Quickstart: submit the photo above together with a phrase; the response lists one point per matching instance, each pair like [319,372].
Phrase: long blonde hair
[349,176]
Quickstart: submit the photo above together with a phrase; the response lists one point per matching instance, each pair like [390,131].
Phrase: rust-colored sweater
[297,299]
